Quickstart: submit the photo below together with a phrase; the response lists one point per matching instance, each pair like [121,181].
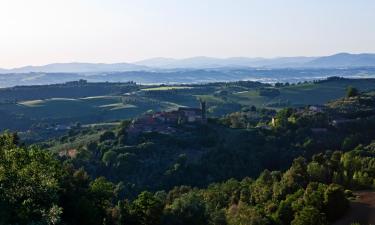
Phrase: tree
[29,184]
[335,202]
[107,135]
[146,209]
[126,162]
[351,92]
[350,142]
[101,193]
[309,216]
[187,209]
[109,158]
[297,175]
[243,214]
[261,190]
[282,117]
[317,172]
[74,198]
[285,212]
[314,195]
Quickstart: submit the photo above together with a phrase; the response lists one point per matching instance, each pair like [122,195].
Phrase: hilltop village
[164,122]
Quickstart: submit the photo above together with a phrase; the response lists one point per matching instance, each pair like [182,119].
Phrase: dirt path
[362,210]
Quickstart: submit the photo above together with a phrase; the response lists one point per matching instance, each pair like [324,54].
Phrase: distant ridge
[77,68]
[211,62]
[333,61]
[341,60]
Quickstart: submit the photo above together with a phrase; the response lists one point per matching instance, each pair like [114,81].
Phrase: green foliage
[109,157]
[189,208]
[243,214]
[309,216]
[146,209]
[102,191]
[335,202]
[351,92]
[38,188]
[29,183]
[286,209]
[107,135]
[282,118]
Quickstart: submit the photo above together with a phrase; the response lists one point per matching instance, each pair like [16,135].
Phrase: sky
[37,32]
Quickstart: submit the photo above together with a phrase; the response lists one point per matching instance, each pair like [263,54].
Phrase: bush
[351,92]
[108,135]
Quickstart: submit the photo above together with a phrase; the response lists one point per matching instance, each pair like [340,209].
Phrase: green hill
[86,103]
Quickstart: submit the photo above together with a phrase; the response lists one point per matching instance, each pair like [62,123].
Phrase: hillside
[223,171]
[48,110]
[161,160]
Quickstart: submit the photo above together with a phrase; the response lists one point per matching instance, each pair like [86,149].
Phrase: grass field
[93,108]
[59,108]
[251,97]
[304,94]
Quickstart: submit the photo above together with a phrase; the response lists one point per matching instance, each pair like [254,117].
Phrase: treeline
[38,189]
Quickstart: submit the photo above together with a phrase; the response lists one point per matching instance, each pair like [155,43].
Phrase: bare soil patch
[362,210]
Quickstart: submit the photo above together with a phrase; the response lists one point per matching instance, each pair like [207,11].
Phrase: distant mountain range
[209,62]
[78,68]
[333,61]
[341,60]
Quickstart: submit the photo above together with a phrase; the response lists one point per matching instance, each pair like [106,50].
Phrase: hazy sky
[44,31]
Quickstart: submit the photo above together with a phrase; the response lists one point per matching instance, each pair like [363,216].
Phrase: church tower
[204,110]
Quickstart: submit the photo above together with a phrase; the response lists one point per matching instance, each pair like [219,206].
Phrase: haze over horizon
[41,32]
[159,61]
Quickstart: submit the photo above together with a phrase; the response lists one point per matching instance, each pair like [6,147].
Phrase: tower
[203,109]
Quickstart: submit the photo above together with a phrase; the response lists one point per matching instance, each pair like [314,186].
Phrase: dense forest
[36,188]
